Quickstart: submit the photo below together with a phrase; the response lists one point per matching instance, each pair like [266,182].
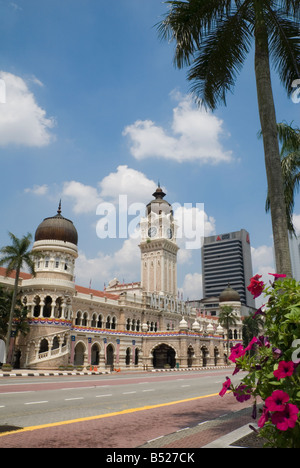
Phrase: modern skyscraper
[226,258]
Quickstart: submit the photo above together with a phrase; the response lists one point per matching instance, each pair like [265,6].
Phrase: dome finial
[59,208]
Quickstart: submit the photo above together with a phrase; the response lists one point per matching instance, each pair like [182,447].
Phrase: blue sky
[94,108]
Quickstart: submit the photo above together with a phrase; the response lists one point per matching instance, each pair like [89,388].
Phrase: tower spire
[59,208]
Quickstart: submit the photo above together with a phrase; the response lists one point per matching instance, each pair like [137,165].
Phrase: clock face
[152,232]
[169,233]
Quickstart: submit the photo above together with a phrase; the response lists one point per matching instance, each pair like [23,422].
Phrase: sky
[92,109]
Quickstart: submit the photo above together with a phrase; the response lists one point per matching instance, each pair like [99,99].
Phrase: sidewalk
[221,432]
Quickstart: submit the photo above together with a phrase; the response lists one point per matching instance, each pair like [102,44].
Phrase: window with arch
[113,323]
[100,321]
[85,319]
[127,358]
[78,318]
[47,307]
[94,321]
[107,325]
[128,324]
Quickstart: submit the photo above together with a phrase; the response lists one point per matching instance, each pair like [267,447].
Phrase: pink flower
[287,418]
[276,276]
[277,401]
[236,352]
[256,287]
[226,386]
[264,418]
[242,393]
[251,344]
[285,369]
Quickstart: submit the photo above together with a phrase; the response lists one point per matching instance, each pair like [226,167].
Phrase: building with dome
[141,325]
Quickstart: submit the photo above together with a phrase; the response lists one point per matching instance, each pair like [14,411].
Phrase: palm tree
[227,318]
[252,326]
[213,38]
[289,137]
[16,256]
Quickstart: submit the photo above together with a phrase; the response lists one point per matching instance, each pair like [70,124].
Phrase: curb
[185,369]
[47,374]
[228,439]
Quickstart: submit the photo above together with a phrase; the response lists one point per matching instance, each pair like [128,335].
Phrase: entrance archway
[79,354]
[164,355]
[205,355]
[110,356]
[95,358]
[190,353]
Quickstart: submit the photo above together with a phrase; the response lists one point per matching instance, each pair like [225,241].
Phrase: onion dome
[196,326]
[210,328]
[183,325]
[229,295]
[57,228]
[159,205]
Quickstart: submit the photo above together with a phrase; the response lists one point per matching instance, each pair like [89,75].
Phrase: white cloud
[263,264]
[127,181]
[192,286]
[85,197]
[123,264]
[194,136]
[193,224]
[22,121]
[37,189]
[124,181]
[296,222]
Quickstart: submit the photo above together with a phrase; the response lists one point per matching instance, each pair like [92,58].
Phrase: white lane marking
[36,402]
[70,399]
[100,396]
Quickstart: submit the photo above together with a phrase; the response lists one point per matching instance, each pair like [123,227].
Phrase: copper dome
[57,228]
[229,295]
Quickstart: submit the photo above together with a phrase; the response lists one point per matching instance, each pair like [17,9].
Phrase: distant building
[226,260]
[141,325]
[295,256]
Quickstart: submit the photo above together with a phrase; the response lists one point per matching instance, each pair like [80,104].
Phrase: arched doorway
[110,356]
[95,357]
[79,354]
[190,353]
[128,356]
[164,355]
[205,354]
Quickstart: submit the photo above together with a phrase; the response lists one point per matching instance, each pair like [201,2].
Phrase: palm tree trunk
[11,315]
[271,148]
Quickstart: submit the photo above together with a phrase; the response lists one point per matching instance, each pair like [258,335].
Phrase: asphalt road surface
[117,410]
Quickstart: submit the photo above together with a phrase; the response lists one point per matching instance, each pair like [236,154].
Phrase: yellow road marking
[102,416]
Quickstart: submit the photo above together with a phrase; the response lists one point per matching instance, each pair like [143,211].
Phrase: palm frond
[219,61]
[284,43]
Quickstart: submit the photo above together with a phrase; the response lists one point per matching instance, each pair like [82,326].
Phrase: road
[127,409]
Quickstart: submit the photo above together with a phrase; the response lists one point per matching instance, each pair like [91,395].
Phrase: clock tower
[158,247]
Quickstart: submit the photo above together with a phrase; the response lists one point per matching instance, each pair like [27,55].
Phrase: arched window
[37,307]
[78,318]
[44,346]
[55,344]
[113,323]
[100,321]
[47,307]
[85,319]
[128,324]
[94,321]
[127,358]
[107,325]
